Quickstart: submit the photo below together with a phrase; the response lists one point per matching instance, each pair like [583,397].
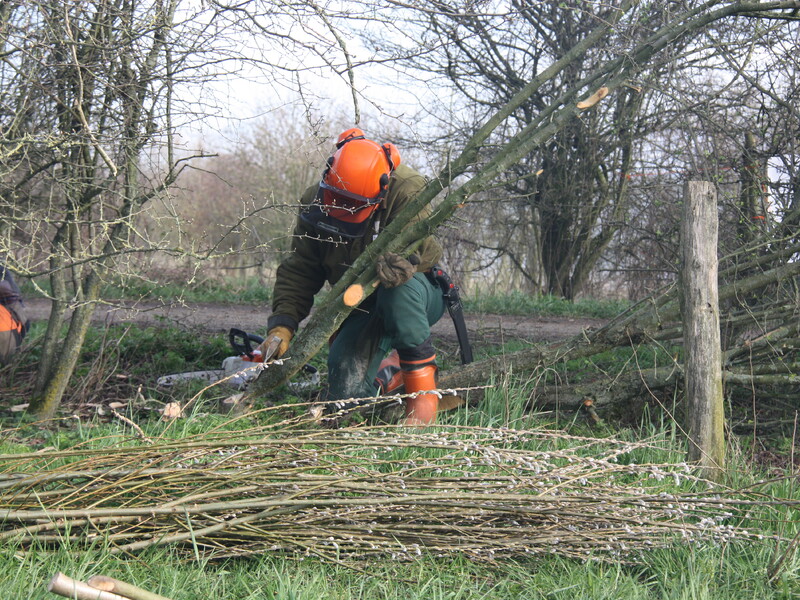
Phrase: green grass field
[699,570]
[711,568]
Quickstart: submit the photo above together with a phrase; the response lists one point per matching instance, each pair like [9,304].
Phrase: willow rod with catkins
[356,494]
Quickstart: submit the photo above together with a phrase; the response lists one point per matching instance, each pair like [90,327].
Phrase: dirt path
[219,318]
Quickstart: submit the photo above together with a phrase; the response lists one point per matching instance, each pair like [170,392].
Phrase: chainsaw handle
[240,341]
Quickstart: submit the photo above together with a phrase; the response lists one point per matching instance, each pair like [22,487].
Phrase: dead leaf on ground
[172,410]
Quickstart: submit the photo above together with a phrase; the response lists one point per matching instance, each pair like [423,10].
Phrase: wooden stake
[701,332]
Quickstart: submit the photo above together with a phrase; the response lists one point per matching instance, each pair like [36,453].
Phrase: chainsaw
[242,368]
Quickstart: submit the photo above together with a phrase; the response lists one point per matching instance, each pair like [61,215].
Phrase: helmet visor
[347,206]
[335,197]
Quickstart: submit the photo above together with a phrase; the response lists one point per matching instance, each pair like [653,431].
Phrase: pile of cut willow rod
[359,493]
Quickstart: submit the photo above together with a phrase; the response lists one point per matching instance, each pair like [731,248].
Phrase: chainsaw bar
[238,373]
[211,376]
[235,371]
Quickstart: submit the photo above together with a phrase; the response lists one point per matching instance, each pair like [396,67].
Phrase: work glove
[394,270]
[282,332]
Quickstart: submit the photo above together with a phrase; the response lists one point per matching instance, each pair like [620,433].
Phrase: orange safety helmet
[357,177]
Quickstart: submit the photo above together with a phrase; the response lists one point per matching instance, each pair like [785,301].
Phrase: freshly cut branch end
[127,590]
[355,294]
[593,99]
[101,582]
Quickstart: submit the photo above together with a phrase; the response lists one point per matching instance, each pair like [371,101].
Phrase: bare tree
[93,95]
[607,80]
[555,210]
[727,112]
[89,111]
[551,217]
[241,204]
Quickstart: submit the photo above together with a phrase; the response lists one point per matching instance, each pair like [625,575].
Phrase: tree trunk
[752,218]
[58,309]
[45,403]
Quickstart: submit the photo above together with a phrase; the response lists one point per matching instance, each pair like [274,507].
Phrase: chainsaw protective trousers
[393,318]
[420,409]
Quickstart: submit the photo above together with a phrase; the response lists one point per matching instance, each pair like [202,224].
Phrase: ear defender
[392,155]
[327,169]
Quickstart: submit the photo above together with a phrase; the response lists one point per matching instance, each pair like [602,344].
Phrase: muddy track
[212,318]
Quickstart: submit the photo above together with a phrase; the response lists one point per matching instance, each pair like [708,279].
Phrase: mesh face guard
[347,206]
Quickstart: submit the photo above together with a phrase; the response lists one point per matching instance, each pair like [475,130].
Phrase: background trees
[88,87]
[100,101]
[552,214]
[591,202]
[96,95]
[238,207]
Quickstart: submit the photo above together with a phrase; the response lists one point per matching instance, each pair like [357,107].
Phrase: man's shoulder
[404,171]
[407,177]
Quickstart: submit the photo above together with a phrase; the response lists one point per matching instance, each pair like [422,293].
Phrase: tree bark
[705,410]
[752,221]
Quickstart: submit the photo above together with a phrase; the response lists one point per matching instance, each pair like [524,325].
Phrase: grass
[254,291]
[695,575]
[729,571]
[273,577]
[249,291]
[703,571]
[520,303]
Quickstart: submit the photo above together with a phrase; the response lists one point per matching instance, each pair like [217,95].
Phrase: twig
[354,494]
[139,433]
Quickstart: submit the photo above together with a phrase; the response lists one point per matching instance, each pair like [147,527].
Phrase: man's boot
[420,409]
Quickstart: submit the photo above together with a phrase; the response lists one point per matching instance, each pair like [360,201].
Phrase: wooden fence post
[703,355]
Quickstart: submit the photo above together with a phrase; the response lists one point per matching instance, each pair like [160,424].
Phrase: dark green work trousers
[397,318]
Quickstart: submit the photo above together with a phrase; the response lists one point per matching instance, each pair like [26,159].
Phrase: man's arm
[406,184]
[299,277]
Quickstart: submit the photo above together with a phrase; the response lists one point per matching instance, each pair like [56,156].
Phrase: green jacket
[317,258]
